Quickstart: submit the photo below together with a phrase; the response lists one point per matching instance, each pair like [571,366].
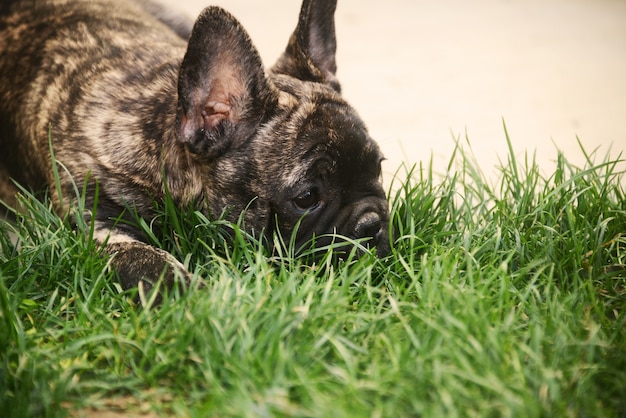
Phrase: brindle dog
[130,96]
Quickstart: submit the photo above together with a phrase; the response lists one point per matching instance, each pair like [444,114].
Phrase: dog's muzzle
[369,226]
[370,223]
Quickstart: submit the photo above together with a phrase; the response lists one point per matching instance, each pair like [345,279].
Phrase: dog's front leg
[139,264]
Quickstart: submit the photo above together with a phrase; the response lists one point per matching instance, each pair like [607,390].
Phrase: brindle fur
[130,102]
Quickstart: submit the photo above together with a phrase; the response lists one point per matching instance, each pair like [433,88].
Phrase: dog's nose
[369,226]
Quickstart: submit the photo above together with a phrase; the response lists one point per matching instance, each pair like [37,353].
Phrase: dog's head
[286,145]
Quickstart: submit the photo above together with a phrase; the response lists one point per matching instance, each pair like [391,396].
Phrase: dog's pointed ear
[223,93]
[310,53]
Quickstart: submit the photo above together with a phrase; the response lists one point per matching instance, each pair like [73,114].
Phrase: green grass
[502,298]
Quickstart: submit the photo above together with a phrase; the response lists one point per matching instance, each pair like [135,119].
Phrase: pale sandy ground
[423,73]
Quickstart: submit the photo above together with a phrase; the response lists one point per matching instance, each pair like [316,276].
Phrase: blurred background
[423,74]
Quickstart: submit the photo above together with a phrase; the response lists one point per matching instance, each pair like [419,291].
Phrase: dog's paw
[141,265]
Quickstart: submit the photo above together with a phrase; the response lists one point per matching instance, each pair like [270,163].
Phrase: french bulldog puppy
[130,96]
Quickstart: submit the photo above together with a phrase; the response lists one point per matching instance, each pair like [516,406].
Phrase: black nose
[369,226]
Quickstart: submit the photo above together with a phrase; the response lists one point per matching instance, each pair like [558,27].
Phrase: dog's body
[123,98]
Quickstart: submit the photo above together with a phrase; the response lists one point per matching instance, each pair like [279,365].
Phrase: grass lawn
[501,298]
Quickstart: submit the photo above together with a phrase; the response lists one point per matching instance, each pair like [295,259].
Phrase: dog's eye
[307,200]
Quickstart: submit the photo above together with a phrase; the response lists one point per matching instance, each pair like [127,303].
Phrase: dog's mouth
[359,228]
[341,246]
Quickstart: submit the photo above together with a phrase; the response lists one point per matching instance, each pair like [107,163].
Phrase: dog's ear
[222,90]
[310,53]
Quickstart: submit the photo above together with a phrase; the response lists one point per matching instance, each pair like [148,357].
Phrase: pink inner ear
[213,113]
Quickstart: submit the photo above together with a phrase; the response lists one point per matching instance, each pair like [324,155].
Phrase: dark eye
[307,200]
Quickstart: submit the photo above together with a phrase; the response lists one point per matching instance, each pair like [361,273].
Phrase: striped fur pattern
[137,99]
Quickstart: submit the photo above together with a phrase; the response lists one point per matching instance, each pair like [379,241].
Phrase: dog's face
[324,175]
[286,146]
